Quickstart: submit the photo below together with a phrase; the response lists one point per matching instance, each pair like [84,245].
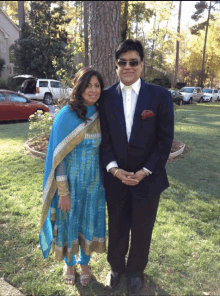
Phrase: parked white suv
[191,94]
[210,94]
[46,90]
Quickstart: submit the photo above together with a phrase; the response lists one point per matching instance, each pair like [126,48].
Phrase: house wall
[9,32]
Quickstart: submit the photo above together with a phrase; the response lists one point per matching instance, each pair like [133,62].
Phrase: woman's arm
[63,187]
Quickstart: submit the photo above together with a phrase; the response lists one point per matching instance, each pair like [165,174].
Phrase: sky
[188,7]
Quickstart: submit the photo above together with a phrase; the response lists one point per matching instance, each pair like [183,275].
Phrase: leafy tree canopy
[41,51]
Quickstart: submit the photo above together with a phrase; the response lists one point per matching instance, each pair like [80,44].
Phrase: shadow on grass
[25,268]
[96,288]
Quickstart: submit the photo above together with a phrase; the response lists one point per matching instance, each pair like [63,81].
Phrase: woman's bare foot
[85,276]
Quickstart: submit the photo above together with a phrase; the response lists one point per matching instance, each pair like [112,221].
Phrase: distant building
[9,32]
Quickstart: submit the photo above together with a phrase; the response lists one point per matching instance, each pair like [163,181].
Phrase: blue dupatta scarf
[67,132]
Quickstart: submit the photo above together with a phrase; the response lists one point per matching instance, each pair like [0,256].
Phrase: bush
[14,84]
[162,81]
[40,125]
[2,63]
[3,84]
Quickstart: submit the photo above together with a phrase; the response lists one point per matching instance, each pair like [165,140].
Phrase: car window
[54,84]
[16,98]
[215,91]
[43,83]
[206,90]
[187,90]
[2,97]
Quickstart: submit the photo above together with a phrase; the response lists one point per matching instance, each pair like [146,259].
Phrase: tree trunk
[124,22]
[86,63]
[177,47]
[105,29]
[21,15]
[204,48]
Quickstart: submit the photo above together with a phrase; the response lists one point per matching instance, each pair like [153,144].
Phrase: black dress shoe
[134,285]
[112,279]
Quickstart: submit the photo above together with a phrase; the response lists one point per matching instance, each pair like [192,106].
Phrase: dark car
[14,106]
[176,96]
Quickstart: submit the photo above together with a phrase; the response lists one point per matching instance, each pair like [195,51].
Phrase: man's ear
[116,66]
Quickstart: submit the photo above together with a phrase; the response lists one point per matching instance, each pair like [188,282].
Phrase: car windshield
[188,90]
[206,90]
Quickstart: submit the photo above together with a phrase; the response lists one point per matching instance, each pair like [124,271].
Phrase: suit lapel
[119,111]
[142,103]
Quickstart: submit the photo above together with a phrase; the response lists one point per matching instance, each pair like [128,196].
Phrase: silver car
[210,94]
[192,94]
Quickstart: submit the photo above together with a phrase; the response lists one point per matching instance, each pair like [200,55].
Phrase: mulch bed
[177,145]
[41,146]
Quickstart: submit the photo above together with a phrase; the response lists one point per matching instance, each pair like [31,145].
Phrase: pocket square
[147,113]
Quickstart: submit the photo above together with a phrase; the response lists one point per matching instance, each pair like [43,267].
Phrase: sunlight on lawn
[184,256]
[197,129]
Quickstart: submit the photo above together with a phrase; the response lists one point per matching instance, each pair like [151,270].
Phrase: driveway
[52,110]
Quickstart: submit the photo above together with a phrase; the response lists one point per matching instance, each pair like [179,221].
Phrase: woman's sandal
[85,278]
[69,279]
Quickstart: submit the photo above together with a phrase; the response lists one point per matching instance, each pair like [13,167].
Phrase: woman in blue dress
[73,214]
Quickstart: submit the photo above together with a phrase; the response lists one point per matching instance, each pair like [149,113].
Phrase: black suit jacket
[150,141]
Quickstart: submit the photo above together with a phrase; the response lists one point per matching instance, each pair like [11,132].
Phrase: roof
[1,10]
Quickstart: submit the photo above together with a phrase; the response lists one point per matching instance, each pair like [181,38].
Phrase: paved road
[52,109]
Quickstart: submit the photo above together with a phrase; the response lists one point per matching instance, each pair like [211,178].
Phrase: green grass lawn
[185,250]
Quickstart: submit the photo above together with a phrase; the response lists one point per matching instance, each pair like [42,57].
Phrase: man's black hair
[130,45]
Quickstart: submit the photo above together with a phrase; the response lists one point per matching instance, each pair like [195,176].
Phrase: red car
[14,106]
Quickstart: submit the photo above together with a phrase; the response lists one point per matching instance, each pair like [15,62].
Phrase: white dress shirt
[129,95]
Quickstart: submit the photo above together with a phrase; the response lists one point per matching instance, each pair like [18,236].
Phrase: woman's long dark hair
[80,83]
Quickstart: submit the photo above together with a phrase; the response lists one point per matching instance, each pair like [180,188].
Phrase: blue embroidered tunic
[84,225]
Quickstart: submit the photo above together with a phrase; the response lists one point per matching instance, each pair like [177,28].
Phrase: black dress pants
[135,217]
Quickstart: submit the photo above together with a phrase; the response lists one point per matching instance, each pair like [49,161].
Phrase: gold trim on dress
[96,245]
[65,147]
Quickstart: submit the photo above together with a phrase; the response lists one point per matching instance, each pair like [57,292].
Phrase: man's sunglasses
[132,63]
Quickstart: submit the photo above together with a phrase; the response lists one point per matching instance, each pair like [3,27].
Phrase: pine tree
[105,25]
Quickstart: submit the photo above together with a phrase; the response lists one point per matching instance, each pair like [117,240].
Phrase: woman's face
[92,93]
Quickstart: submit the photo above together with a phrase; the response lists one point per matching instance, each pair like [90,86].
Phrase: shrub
[40,125]
[2,63]
[162,81]
[3,84]
[14,83]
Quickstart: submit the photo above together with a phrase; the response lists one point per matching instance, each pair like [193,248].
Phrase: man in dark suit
[137,126]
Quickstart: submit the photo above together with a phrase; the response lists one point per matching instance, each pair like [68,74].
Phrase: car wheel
[48,100]
[190,101]
[210,99]
[200,101]
[180,102]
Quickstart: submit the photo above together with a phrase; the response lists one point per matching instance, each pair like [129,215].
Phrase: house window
[11,55]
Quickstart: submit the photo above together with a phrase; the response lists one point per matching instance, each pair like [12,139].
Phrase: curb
[43,155]
[34,152]
[178,152]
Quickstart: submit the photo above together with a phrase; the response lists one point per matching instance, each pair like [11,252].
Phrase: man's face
[129,74]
